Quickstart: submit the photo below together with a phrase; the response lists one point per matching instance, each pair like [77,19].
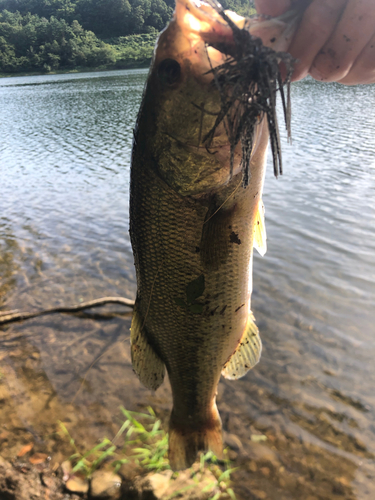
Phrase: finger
[354,31]
[315,29]
[363,70]
[272,7]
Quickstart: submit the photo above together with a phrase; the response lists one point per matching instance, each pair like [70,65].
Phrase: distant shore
[83,69]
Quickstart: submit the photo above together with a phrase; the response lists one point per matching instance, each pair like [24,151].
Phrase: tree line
[49,35]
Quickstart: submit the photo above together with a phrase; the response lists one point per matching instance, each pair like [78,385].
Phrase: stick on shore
[15,315]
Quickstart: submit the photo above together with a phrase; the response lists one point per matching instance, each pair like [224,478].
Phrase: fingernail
[316,74]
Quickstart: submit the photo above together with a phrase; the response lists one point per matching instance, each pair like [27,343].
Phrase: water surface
[64,180]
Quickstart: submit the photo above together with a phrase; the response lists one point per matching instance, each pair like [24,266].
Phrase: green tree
[31,43]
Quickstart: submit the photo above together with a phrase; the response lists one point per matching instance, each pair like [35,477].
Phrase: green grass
[145,445]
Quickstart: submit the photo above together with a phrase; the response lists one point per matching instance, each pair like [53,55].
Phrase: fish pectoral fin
[147,364]
[260,236]
[247,354]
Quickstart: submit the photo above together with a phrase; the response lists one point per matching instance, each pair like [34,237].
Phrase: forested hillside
[49,35]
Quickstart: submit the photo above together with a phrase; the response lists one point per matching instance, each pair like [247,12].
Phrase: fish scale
[193,224]
[193,347]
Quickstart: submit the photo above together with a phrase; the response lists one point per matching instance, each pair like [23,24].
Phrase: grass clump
[143,443]
[148,441]
[90,461]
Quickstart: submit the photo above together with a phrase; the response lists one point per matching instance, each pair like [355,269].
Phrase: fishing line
[84,379]
[227,199]
[112,347]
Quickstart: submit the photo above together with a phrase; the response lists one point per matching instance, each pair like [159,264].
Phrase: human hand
[335,41]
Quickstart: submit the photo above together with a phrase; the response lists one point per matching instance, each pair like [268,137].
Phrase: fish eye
[169,71]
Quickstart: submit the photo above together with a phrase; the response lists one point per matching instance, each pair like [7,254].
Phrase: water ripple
[65,156]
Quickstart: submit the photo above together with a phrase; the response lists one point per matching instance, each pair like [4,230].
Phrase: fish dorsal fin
[260,237]
[146,363]
[247,353]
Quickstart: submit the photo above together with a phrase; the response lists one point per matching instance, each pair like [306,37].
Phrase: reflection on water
[64,178]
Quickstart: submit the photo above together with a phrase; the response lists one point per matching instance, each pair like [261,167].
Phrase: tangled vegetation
[42,36]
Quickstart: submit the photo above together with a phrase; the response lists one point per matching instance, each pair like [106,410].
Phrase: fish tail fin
[186,442]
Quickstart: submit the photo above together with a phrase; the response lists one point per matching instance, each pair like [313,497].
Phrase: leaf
[195,289]
[142,451]
[231,493]
[257,438]
[122,429]
[151,411]
[180,302]
[96,448]
[207,456]
[155,427]
[118,463]
[107,453]
[25,449]
[224,476]
[38,458]
[215,497]
[65,432]
[80,465]
[180,491]
[196,308]
[209,487]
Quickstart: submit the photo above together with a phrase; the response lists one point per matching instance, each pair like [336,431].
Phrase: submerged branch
[13,316]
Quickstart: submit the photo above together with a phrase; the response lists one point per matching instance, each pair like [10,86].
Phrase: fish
[196,210]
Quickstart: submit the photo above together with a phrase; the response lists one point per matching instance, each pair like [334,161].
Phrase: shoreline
[83,69]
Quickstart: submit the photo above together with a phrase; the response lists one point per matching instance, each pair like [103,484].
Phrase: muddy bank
[274,458]
[21,480]
[276,468]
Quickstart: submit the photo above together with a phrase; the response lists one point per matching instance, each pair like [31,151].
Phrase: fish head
[190,128]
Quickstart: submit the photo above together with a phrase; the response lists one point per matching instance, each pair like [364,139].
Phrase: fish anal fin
[147,364]
[260,236]
[186,442]
[247,354]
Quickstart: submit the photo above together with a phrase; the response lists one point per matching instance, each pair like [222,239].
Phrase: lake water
[64,187]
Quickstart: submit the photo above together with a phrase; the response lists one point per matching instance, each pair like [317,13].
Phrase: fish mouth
[222,55]
[207,21]
[245,72]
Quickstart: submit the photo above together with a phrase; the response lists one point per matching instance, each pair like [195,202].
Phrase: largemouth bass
[197,175]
